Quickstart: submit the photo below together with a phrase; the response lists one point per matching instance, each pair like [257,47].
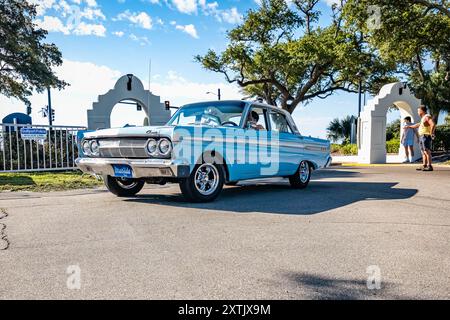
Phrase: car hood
[150,131]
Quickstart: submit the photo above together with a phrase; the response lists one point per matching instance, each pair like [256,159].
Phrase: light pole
[360,76]
[218,95]
[356,121]
[49,108]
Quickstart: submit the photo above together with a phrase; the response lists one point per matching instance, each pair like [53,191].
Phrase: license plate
[122,171]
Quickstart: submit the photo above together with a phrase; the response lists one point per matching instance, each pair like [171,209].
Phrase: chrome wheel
[126,183]
[206,179]
[304,172]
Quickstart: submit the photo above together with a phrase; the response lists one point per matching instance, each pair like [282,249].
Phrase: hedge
[442,141]
[393,146]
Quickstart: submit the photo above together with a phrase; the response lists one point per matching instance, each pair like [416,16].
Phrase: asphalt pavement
[355,233]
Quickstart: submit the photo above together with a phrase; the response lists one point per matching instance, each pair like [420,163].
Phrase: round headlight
[165,147]
[94,147]
[152,146]
[86,148]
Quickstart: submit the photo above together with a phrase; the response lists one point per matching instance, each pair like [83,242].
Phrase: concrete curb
[411,165]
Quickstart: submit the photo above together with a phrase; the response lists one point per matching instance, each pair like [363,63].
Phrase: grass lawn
[46,181]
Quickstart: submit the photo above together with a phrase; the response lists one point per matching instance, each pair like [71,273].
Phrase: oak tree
[25,61]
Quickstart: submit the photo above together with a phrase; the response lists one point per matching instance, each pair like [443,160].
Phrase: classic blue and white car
[202,148]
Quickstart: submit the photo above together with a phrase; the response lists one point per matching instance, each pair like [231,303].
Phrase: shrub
[350,149]
[442,141]
[393,130]
[393,146]
[335,148]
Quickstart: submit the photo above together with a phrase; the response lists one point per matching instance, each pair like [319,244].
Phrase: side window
[279,123]
[256,119]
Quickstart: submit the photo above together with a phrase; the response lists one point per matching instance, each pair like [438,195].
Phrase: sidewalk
[390,159]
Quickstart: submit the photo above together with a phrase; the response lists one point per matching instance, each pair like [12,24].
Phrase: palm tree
[340,129]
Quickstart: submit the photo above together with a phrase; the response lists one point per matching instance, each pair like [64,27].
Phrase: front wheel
[204,184]
[301,178]
[122,187]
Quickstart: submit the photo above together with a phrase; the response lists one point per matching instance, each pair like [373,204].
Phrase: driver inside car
[252,121]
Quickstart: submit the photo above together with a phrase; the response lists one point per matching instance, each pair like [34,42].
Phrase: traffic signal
[53,115]
[167,104]
[44,112]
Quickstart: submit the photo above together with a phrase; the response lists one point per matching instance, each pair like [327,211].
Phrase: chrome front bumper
[142,168]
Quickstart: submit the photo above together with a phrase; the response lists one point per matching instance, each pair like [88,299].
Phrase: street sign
[33,134]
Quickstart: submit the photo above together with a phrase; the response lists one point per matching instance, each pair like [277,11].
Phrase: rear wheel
[301,178]
[122,187]
[204,184]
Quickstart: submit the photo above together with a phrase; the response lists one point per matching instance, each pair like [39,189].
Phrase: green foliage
[350,149]
[442,140]
[344,149]
[281,53]
[336,148]
[25,62]
[447,120]
[393,130]
[340,129]
[413,35]
[46,181]
[393,145]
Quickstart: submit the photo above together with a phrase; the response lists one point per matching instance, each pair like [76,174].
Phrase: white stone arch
[372,133]
[128,87]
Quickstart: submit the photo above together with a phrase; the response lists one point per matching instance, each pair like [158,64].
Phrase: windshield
[210,114]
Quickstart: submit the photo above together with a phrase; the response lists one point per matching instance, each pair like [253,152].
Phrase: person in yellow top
[426,127]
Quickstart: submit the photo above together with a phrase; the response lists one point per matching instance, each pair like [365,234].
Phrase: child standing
[407,139]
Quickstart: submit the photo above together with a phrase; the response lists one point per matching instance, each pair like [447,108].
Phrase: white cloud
[42,5]
[52,24]
[86,29]
[92,14]
[89,3]
[231,16]
[332,2]
[87,81]
[141,19]
[180,91]
[142,40]
[67,18]
[189,29]
[119,34]
[185,6]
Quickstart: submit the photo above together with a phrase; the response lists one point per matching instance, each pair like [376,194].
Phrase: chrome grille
[122,148]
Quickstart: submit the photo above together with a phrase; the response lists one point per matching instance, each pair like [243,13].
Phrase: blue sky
[103,39]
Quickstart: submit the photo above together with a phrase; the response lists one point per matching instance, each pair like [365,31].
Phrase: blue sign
[33,134]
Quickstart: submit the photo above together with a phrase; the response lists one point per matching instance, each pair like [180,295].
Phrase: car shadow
[324,288]
[275,196]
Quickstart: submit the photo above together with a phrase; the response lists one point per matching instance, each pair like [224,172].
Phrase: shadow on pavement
[324,288]
[279,198]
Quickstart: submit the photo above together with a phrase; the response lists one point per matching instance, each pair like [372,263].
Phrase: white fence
[28,148]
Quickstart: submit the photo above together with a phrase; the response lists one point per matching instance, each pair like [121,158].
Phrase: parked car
[203,147]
